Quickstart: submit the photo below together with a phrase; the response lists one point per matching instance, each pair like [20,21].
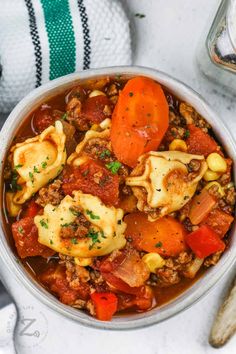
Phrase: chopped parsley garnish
[17,166]
[64,116]
[51,242]
[104,154]
[67,224]
[131,94]
[74,241]
[187,134]
[114,166]
[20,229]
[92,215]
[75,212]
[13,184]
[94,235]
[44,164]
[158,244]
[31,176]
[139,15]
[36,170]
[44,224]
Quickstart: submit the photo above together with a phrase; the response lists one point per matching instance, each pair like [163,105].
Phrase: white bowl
[200,287]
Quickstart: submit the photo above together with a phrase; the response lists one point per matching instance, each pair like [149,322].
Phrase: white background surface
[165,39]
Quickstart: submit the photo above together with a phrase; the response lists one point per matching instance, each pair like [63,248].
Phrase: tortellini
[78,157]
[37,161]
[105,235]
[161,181]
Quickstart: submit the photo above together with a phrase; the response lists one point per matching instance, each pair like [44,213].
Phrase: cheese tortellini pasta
[105,234]
[36,161]
[161,181]
[79,157]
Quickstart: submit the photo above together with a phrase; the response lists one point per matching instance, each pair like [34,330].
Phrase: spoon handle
[224,325]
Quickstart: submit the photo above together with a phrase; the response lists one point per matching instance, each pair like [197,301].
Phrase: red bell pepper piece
[105,305]
[204,242]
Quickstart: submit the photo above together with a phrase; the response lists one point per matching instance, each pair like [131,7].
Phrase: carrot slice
[139,121]
[165,236]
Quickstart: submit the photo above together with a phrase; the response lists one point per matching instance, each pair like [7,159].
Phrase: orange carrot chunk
[139,121]
[165,236]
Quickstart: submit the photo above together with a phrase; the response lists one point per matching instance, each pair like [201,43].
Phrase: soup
[118,196]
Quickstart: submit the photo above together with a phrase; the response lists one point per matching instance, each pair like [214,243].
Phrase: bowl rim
[188,297]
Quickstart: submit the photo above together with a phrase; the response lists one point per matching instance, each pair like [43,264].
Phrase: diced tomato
[83,178]
[32,209]
[93,109]
[105,305]
[199,142]
[219,221]
[143,301]
[55,279]
[43,118]
[165,236]
[25,234]
[204,241]
[139,120]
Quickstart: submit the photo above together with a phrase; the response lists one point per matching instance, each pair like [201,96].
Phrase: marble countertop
[166,39]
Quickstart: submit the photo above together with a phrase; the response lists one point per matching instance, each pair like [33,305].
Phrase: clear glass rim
[231,22]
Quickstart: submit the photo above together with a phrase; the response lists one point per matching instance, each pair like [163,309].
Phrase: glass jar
[216,57]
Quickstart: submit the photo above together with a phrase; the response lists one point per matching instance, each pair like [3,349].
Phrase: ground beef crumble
[78,229]
[193,117]
[172,271]
[212,259]
[52,194]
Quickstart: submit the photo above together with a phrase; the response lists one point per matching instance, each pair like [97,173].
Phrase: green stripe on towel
[60,36]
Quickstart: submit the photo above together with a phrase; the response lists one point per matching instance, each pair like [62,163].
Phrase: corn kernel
[211,176]
[220,189]
[178,145]
[216,162]
[96,93]
[153,261]
[83,262]
[105,124]
[94,127]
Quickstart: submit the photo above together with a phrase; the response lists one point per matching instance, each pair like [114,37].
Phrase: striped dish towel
[41,40]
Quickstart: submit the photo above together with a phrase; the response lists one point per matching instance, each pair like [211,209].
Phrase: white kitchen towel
[41,40]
